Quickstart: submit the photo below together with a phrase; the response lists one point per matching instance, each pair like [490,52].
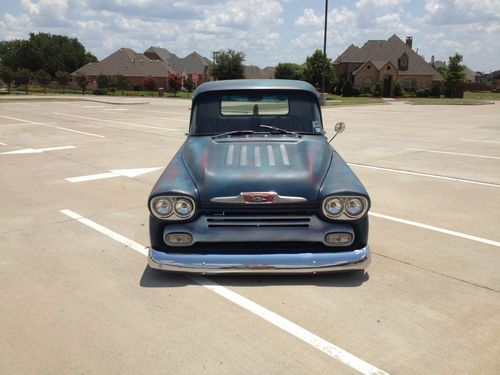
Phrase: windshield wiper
[234,132]
[282,131]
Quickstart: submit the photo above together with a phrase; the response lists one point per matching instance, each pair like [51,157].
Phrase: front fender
[341,180]
[175,180]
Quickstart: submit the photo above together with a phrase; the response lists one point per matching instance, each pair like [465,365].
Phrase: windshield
[221,112]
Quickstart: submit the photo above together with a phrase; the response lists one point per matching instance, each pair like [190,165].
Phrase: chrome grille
[257,221]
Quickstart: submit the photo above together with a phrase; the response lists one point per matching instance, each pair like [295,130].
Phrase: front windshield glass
[233,105]
[220,112]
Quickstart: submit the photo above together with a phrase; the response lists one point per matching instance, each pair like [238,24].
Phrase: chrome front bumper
[300,263]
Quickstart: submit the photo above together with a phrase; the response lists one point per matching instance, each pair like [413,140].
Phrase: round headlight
[354,206]
[163,207]
[183,207]
[333,207]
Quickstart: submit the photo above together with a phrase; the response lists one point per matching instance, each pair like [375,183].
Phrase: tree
[174,83]
[22,77]
[45,51]
[121,82]
[455,77]
[313,72]
[82,81]
[436,89]
[62,78]
[188,84]
[347,88]
[289,71]
[7,75]
[228,65]
[43,78]
[149,83]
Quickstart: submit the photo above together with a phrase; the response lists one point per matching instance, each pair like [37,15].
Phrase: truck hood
[229,166]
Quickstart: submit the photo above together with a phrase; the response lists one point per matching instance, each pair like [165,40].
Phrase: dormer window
[403,62]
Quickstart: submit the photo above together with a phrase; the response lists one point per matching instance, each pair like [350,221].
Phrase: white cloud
[392,22]
[309,19]
[367,4]
[452,12]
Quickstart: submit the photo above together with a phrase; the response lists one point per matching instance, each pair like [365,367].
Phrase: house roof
[192,63]
[127,62]
[255,72]
[381,51]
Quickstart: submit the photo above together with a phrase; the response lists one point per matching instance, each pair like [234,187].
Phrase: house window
[403,62]
[409,85]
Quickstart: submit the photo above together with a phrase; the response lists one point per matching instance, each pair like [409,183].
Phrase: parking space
[76,295]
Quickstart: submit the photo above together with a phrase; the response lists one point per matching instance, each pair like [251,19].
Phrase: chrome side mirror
[339,128]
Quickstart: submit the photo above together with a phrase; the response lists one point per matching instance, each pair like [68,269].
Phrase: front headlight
[332,207]
[353,206]
[183,207]
[162,207]
[344,208]
[172,207]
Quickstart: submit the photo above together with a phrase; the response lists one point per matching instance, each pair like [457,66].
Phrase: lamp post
[324,47]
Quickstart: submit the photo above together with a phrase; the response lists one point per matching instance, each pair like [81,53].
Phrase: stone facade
[415,82]
[366,78]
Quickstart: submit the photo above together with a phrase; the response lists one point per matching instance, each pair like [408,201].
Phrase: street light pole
[324,47]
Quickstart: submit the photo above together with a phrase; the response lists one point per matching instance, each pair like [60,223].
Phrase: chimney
[432,60]
[409,41]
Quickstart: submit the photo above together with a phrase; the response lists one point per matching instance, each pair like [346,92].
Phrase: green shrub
[436,90]
[398,89]
[347,88]
[424,92]
[355,92]
[376,90]
[100,92]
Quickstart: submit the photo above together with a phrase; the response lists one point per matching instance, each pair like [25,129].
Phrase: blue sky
[268,31]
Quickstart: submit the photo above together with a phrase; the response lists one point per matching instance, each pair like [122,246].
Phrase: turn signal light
[338,238]
[178,239]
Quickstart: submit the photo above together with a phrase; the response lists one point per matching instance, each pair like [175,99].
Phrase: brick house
[135,66]
[386,62]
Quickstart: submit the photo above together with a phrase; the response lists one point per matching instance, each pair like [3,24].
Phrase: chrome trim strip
[301,263]
[238,199]
[229,156]
[270,156]
[243,156]
[257,160]
[284,155]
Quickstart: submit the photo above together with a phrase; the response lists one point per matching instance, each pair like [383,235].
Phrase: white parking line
[425,175]
[455,153]
[116,122]
[77,131]
[271,317]
[437,229]
[108,232]
[479,140]
[3,144]
[53,126]
[159,118]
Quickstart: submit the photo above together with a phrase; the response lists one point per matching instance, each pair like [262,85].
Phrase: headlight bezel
[174,215]
[344,215]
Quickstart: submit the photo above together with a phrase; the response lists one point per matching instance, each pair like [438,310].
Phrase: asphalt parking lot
[76,296]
